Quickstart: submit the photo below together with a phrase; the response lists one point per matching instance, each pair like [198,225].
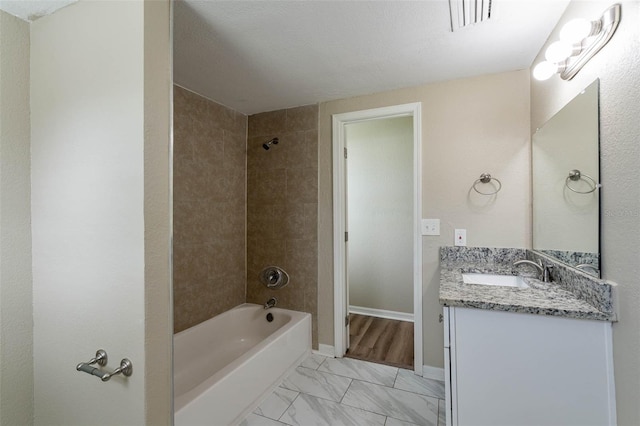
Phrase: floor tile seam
[330,374]
[346,391]
[421,394]
[417,393]
[316,396]
[405,421]
[287,409]
[356,378]
[419,378]
[323,361]
[360,408]
[395,380]
[361,378]
[369,364]
[402,390]
[342,405]
[268,418]
[386,416]
[380,362]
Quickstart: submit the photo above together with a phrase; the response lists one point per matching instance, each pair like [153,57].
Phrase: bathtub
[223,367]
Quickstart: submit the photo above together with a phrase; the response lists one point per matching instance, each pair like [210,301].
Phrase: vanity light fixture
[579,41]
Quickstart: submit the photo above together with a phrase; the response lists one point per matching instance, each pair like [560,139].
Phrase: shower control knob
[274,277]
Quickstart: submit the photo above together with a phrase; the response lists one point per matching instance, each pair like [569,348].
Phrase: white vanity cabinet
[505,368]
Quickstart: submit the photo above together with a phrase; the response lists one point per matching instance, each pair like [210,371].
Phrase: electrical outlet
[460,237]
[430,226]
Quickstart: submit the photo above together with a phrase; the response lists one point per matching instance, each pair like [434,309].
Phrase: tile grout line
[395,379]
[287,409]
[375,383]
[363,409]
[360,378]
[345,392]
[351,382]
[373,412]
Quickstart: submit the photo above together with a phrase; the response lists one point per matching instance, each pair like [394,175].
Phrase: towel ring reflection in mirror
[575,175]
[486,178]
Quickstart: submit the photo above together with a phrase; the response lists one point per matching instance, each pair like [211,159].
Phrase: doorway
[377,245]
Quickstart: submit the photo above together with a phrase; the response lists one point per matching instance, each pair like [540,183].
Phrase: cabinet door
[518,369]
[448,373]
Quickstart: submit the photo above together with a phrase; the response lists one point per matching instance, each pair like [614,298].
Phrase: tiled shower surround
[282,207]
[209,196]
[239,208]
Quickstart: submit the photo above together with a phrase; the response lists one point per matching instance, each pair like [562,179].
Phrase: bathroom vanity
[538,354]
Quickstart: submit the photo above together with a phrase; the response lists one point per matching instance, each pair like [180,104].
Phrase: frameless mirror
[566,176]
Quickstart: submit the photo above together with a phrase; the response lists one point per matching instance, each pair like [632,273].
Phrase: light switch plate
[430,226]
[460,237]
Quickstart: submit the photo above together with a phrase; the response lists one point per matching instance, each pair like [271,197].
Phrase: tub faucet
[544,271]
[271,303]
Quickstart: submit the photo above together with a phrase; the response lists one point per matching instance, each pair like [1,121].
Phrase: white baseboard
[381,313]
[434,373]
[325,350]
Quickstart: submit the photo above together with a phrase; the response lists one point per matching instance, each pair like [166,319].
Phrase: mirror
[566,176]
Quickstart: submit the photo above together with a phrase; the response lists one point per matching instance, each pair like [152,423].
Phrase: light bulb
[576,30]
[544,70]
[558,51]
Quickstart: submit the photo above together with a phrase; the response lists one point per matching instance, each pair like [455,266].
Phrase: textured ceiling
[256,56]
[30,10]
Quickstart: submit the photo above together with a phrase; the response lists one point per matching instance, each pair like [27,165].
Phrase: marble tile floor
[345,391]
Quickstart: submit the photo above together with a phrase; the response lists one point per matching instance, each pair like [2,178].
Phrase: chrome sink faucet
[543,271]
[271,303]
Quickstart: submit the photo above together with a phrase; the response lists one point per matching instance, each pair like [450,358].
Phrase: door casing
[340,220]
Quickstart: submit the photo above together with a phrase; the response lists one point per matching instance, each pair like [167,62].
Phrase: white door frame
[340,225]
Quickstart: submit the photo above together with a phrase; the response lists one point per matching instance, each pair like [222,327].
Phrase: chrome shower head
[267,145]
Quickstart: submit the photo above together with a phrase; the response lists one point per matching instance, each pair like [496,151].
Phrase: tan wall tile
[282,203]
[209,209]
[267,123]
[302,118]
[302,184]
[239,208]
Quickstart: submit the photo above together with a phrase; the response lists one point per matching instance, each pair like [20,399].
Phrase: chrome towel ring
[486,178]
[575,175]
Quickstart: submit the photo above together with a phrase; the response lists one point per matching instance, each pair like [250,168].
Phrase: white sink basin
[493,279]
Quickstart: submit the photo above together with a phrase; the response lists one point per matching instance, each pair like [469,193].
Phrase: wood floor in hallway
[381,340]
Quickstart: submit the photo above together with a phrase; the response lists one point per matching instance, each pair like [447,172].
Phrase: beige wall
[469,127]
[158,329]
[617,66]
[282,206]
[100,206]
[209,208]
[16,299]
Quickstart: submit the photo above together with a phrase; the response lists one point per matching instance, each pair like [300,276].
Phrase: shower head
[267,145]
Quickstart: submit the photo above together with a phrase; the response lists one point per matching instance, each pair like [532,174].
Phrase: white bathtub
[223,367]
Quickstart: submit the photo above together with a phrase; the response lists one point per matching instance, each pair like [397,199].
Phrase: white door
[347,336]
[100,212]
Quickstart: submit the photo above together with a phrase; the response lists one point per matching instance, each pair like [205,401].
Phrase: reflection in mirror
[566,176]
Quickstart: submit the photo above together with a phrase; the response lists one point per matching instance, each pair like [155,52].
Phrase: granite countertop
[540,298]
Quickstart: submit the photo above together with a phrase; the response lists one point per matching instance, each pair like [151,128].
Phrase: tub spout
[271,303]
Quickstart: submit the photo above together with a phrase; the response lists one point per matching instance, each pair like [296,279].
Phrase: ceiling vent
[468,12]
